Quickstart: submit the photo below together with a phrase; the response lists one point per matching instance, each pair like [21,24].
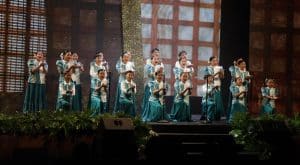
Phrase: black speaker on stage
[115,140]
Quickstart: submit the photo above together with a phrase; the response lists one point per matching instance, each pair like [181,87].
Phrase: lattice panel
[16,36]
[173,26]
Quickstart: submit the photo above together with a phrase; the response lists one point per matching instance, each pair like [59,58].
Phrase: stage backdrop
[275,51]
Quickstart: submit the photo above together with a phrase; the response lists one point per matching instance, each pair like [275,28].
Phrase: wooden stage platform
[194,141]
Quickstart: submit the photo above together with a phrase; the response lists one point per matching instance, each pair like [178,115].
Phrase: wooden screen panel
[274,40]
[189,25]
[75,25]
[23,32]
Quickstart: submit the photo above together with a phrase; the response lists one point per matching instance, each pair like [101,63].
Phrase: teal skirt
[95,105]
[219,105]
[154,111]
[77,99]
[180,111]
[209,111]
[145,98]
[41,101]
[117,99]
[127,106]
[65,104]
[237,107]
[30,103]
[266,109]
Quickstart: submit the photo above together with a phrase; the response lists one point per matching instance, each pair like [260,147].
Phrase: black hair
[100,70]
[211,58]
[159,71]
[182,52]
[125,52]
[239,61]
[65,52]
[98,54]
[153,50]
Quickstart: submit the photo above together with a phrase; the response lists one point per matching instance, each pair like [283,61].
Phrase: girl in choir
[154,52]
[232,69]
[149,71]
[76,72]
[183,54]
[122,66]
[183,66]
[218,73]
[243,73]
[99,94]
[127,95]
[270,94]
[208,92]
[64,65]
[35,96]
[181,107]
[41,84]
[239,93]
[238,70]
[155,108]
[97,64]
[67,93]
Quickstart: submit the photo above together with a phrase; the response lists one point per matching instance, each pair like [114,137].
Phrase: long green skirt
[180,111]
[41,101]
[145,98]
[30,103]
[127,106]
[154,111]
[236,107]
[267,109]
[95,105]
[209,110]
[219,105]
[77,99]
[117,99]
[65,104]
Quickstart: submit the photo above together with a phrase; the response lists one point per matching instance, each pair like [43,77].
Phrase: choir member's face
[125,58]
[39,56]
[155,60]
[242,65]
[68,56]
[184,77]
[75,56]
[159,76]
[214,62]
[101,75]
[129,76]
[239,81]
[155,53]
[99,59]
[270,83]
[210,79]
[68,76]
[183,61]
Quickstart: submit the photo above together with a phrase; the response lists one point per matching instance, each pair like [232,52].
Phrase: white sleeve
[61,89]
[92,72]
[123,88]
[73,90]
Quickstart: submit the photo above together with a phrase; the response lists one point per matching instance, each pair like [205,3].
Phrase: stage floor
[195,121]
